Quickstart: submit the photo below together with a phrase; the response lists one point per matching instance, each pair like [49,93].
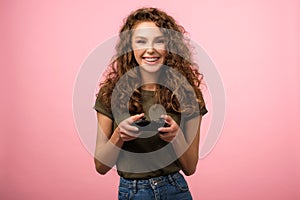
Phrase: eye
[160,41]
[140,41]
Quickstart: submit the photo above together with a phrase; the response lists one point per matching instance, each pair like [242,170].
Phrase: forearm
[106,155]
[187,154]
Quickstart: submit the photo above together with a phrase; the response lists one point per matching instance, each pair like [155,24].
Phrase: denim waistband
[137,184]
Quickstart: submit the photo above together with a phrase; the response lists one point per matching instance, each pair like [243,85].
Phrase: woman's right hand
[126,131]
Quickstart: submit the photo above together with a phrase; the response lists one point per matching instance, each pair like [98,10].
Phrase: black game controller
[153,125]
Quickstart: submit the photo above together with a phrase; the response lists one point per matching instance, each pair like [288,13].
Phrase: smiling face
[149,46]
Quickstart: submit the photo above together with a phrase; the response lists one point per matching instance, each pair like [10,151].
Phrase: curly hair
[179,58]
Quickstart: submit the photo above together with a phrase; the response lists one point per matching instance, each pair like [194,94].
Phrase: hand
[128,132]
[169,133]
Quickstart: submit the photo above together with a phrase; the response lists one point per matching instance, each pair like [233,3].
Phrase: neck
[149,87]
[149,80]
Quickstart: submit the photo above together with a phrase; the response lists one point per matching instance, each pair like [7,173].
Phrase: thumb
[136,117]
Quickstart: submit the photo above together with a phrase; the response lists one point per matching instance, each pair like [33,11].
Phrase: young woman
[152,81]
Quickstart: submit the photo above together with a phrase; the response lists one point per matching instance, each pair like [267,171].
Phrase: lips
[151,59]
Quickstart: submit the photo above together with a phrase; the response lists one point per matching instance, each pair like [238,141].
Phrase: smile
[151,59]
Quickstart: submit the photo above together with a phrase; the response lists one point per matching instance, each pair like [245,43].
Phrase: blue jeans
[170,187]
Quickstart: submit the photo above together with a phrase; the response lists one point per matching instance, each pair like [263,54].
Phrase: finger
[130,134]
[167,118]
[131,128]
[135,118]
[126,137]
[165,129]
[166,137]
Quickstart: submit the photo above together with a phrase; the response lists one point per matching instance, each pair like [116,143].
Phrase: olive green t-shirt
[147,156]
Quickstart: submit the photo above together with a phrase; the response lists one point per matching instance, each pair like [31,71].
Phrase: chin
[151,68]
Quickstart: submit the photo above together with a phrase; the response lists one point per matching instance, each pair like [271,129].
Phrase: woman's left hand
[169,133]
[186,148]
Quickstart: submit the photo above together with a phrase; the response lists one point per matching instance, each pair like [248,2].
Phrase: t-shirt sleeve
[99,107]
[201,112]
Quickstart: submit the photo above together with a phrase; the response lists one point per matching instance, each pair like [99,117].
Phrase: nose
[150,50]
[150,47]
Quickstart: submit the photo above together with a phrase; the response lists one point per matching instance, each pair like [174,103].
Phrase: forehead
[147,30]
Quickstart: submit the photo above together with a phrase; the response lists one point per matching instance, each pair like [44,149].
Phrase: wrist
[116,139]
[179,143]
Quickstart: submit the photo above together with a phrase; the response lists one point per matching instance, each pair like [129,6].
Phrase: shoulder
[101,104]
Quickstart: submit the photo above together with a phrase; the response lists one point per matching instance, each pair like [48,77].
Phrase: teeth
[151,59]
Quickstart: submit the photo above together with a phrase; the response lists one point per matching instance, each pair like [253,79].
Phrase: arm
[187,143]
[106,152]
[190,157]
[109,142]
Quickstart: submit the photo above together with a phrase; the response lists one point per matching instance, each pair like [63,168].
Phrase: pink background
[255,46]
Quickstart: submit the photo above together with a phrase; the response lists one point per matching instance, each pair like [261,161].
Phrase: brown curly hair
[179,57]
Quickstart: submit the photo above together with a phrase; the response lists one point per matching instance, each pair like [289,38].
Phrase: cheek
[137,55]
[163,53]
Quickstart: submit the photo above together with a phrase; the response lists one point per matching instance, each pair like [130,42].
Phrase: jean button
[154,182]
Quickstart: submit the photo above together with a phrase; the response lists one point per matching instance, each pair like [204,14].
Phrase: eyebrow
[157,37]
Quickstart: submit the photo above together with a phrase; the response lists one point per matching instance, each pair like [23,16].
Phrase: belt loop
[171,179]
[134,186]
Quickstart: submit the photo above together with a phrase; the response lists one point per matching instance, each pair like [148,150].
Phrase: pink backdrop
[255,46]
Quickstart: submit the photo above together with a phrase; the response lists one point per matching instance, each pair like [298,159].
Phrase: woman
[151,79]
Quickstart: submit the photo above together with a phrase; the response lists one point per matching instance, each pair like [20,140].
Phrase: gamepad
[153,125]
